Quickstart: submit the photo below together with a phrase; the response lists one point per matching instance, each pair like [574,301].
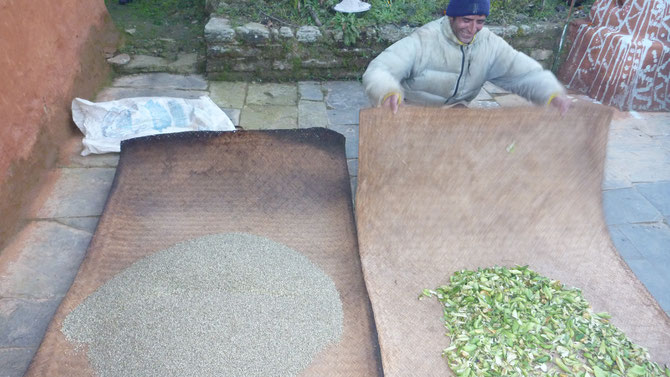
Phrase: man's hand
[562,103]
[392,102]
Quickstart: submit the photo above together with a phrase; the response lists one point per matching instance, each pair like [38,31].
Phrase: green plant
[349,25]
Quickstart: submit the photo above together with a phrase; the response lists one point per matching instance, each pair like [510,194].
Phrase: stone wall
[51,51]
[256,51]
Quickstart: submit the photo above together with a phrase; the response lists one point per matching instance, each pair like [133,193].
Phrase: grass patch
[400,12]
[160,27]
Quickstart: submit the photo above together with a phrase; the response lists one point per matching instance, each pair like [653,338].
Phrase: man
[447,61]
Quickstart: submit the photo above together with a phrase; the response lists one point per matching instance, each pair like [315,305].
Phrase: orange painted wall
[50,52]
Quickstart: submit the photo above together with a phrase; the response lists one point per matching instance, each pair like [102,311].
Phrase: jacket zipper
[458,82]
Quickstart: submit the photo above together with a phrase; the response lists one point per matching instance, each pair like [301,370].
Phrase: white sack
[105,124]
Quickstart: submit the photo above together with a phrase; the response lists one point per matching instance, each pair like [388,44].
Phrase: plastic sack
[106,124]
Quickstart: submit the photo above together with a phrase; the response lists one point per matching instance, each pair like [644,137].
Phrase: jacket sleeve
[520,74]
[385,72]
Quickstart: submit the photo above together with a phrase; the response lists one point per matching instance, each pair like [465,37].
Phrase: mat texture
[291,186]
[440,190]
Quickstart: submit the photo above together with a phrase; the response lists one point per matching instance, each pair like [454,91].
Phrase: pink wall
[50,51]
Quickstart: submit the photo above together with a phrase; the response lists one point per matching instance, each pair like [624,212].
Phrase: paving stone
[342,117]
[346,95]
[14,362]
[234,115]
[228,94]
[655,281]
[656,124]
[651,240]
[351,135]
[111,94]
[312,114]
[650,167]
[353,181]
[310,90]
[614,176]
[87,224]
[78,192]
[42,260]
[624,246]
[106,160]
[658,194]
[623,206]
[272,94]
[352,165]
[162,81]
[259,117]
[23,322]
[512,100]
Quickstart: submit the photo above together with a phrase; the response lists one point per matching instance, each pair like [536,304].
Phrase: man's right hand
[392,102]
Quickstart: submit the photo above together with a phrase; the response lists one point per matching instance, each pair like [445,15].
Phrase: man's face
[466,27]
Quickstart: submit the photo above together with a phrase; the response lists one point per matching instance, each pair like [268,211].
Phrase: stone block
[272,94]
[312,114]
[310,90]
[393,33]
[285,32]
[308,34]
[483,105]
[234,51]
[162,81]
[351,142]
[253,33]
[330,62]
[218,30]
[78,192]
[265,117]
[15,361]
[42,261]
[23,322]
[483,96]
[625,206]
[346,95]
[228,94]
[658,194]
[342,117]
[541,54]
[111,93]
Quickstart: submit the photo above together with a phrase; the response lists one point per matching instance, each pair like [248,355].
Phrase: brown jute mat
[442,190]
[291,186]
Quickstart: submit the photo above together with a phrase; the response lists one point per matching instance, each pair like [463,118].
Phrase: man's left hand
[562,103]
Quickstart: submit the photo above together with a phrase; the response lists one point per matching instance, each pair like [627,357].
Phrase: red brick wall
[50,52]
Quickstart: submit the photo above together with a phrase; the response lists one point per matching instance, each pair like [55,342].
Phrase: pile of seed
[512,321]
[220,305]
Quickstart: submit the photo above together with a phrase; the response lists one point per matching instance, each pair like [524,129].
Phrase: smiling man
[447,61]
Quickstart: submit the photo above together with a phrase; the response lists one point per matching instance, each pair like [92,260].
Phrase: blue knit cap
[460,8]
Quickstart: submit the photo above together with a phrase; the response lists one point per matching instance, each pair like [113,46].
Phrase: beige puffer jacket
[432,67]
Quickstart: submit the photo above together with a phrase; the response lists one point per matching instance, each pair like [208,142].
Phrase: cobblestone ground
[37,268]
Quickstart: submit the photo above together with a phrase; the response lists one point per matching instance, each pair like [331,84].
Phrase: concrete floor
[37,268]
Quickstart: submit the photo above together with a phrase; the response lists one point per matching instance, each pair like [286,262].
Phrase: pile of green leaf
[512,321]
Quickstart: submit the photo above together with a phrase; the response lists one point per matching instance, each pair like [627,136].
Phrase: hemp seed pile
[220,305]
[514,322]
